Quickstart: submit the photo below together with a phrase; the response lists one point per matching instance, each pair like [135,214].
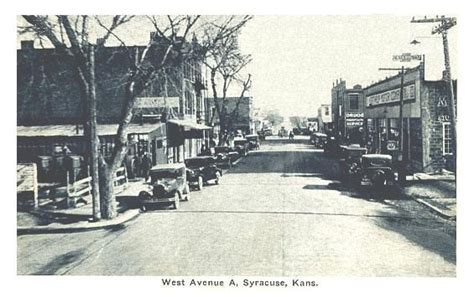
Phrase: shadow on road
[421,233]
[60,262]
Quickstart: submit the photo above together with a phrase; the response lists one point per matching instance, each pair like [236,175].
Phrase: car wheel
[187,193]
[200,183]
[218,177]
[176,201]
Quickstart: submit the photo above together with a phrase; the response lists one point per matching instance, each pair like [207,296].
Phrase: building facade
[427,141]
[238,112]
[347,112]
[49,100]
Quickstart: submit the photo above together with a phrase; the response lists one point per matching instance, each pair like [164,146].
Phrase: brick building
[49,101]
[426,126]
[347,112]
[241,120]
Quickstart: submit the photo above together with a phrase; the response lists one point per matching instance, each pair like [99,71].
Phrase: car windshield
[198,162]
[221,149]
[239,142]
[163,174]
[376,162]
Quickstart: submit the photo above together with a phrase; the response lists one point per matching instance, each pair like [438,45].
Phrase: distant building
[324,117]
[238,111]
[347,112]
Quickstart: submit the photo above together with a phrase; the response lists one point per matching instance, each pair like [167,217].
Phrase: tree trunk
[107,195]
[93,138]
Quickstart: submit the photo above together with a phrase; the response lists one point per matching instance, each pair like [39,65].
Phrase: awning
[74,130]
[189,125]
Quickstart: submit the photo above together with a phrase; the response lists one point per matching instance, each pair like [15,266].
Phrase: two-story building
[50,111]
[347,112]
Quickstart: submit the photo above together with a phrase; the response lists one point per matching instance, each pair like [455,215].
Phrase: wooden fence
[81,191]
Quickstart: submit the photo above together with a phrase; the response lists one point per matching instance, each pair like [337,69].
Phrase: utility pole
[445,23]
[401,159]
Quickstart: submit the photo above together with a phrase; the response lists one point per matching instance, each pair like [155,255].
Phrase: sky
[296,59]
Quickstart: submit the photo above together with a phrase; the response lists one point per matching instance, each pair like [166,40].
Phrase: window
[353,101]
[447,139]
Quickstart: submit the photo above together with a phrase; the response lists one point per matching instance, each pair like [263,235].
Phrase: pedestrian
[146,165]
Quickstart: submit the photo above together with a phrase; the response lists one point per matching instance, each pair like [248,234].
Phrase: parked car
[253,141]
[332,147]
[168,184]
[225,156]
[201,170]
[318,139]
[350,163]
[241,146]
[377,171]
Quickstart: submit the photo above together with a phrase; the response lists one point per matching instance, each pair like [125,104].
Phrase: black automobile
[253,141]
[350,163]
[168,185]
[241,146]
[225,156]
[332,147]
[318,139]
[201,170]
[377,171]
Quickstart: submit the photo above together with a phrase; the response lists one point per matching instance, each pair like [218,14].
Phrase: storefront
[426,121]
[186,139]
[54,147]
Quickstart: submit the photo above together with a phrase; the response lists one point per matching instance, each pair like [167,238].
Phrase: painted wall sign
[391,96]
[157,102]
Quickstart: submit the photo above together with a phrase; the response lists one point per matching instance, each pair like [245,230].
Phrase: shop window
[354,101]
[447,139]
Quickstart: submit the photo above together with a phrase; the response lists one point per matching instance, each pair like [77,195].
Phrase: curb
[435,209]
[80,227]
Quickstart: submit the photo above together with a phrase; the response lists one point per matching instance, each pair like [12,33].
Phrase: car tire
[218,177]
[187,193]
[200,183]
[177,200]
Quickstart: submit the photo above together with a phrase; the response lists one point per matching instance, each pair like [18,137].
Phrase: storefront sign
[391,96]
[354,119]
[407,57]
[157,102]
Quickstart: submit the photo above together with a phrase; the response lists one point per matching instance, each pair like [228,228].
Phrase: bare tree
[224,59]
[70,35]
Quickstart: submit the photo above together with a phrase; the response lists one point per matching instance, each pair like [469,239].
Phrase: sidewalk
[435,191]
[51,217]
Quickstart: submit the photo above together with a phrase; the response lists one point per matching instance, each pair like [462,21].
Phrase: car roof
[252,135]
[171,166]
[377,156]
[200,158]
[239,138]
[320,134]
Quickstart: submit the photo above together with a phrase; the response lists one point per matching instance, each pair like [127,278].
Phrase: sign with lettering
[354,119]
[391,96]
[407,57]
[156,102]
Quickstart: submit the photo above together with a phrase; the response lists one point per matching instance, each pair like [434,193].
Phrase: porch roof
[72,130]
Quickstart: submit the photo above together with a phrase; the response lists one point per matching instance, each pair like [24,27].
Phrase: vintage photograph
[237,146]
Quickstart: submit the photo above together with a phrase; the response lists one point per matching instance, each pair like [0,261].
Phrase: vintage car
[241,146]
[201,170]
[350,163]
[168,184]
[253,141]
[377,171]
[332,147]
[318,139]
[225,156]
